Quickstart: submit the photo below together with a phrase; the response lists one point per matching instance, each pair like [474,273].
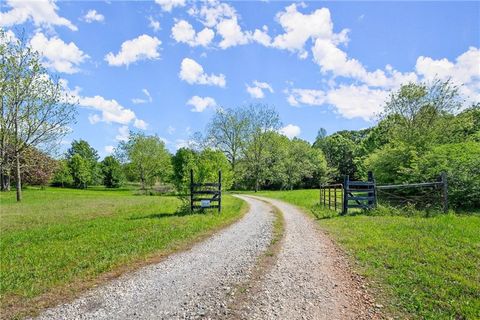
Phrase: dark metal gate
[202,195]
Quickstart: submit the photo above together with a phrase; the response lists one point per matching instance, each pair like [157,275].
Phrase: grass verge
[59,242]
[420,267]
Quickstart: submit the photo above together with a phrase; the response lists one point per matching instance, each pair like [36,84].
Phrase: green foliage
[461,162]
[205,165]
[62,175]
[90,156]
[150,161]
[81,170]
[112,172]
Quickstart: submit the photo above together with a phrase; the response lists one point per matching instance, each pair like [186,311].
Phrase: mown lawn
[58,241]
[425,268]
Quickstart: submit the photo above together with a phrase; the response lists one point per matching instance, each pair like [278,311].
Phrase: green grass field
[58,241]
[422,268]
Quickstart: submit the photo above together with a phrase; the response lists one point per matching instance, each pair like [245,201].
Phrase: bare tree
[36,111]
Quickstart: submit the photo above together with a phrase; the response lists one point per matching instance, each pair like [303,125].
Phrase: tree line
[425,129]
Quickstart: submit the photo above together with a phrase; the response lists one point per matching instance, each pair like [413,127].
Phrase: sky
[163,67]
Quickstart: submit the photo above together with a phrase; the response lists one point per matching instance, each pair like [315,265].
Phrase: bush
[461,162]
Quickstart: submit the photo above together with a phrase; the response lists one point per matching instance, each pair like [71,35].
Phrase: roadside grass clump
[421,266]
[58,242]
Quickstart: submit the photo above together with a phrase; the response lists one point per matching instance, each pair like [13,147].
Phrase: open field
[59,241]
[421,267]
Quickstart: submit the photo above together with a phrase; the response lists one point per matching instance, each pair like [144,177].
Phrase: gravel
[187,285]
[310,278]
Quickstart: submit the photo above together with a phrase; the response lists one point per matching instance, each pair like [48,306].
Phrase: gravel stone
[187,285]
[310,278]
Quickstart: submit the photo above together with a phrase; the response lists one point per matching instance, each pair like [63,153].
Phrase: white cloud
[43,13]
[171,130]
[192,72]
[93,16]
[94,118]
[109,149]
[290,131]
[141,48]
[464,71]
[58,55]
[183,31]
[231,33]
[111,110]
[350,101]
[168,5]
[212,12]
[262,37]
[154,24]
[10,37]
[140,100]
[299,28]
[257,88]
[200,104]
[123,133]
[182,143]
[140,124]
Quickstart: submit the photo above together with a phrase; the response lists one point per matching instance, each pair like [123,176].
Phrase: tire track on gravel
[310,278]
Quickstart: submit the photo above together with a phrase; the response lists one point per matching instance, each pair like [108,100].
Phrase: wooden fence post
[329,198]
[335,195]
[345,188]
[191,190]
[445,191]
[371,193]
[219,191]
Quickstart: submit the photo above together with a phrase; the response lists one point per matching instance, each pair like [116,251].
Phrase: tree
[35,109]
[80,169]
[183,161]
[419,109]
[112,172]
[83,149]
[37,167]
[62,175]
[227,132]
[339,150]
[148,156]
[261,119]
[209,163]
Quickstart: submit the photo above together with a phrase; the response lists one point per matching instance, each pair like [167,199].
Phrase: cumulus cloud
[200,104]
[140,124]
[183,32]
[350,101]
[57,54]
[168,5]
[111,110]
[154,24]
[148,98]
[256,90]
[93,16]
[290,131]
[43,13]
[299,28]
[143,47]
[123,133]
[193,73]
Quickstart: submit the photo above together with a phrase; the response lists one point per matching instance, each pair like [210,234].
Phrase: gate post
[371,203]
[191,190]
[445,191]
[219,191]
[345,196]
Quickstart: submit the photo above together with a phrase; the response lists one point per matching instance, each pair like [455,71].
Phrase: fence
[365,194]
[206,193]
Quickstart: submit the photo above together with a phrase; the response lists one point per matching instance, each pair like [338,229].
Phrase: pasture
[420,267]
[58,242]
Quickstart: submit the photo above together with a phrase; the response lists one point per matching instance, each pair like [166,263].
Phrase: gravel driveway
[310,278]
[185,285]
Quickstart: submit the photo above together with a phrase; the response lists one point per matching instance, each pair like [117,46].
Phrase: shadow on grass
[169,215]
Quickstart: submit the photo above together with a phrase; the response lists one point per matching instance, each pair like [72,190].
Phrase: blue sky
[163,67]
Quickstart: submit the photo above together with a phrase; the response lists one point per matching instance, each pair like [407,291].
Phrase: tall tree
[261,119]
[112,172]
[35,109]
[148,156]
[90,155]
[227,132]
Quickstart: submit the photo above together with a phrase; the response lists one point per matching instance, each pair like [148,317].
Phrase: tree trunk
[18,176]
